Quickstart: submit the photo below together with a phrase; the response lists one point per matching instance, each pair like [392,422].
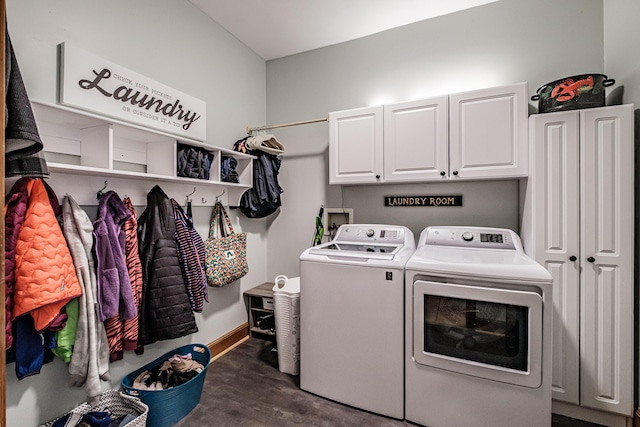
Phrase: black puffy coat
[165,312]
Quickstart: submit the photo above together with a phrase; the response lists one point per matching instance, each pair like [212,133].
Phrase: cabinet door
[416,146]
[554,183]
[355,146]
[488,133]
[607,217]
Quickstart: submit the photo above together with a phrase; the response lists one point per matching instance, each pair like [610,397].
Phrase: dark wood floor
[245,388]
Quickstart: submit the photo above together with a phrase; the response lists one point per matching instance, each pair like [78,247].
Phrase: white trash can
[286,305]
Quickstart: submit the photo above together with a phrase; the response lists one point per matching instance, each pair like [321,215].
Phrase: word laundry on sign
[124,94]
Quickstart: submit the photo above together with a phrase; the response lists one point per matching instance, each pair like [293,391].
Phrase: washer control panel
[471,237]
[370,233]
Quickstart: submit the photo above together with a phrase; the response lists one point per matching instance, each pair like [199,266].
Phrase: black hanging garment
[264,198]
[23,145]
[166,312]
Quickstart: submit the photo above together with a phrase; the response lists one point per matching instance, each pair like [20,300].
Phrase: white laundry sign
[91,83]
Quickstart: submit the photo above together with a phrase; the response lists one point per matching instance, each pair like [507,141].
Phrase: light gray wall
[172,42]
[505,42]
[621,39]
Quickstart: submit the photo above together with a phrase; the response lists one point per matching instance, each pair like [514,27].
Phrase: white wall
[505,42]
[172,42]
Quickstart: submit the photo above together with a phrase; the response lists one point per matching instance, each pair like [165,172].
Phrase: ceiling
[277,28]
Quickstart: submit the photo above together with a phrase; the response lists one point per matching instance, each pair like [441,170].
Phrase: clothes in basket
[169,405]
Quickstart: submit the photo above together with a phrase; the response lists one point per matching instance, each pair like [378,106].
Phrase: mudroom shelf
[260,304]
[129,159]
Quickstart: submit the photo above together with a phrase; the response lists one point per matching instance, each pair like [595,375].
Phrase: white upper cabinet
[415,140]
[488,136]
[355,146]
[482,134]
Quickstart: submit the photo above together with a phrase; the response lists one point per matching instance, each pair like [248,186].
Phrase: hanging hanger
[100,192]
[264,142]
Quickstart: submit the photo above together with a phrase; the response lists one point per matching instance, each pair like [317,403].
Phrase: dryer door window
[479,331]
[491,333]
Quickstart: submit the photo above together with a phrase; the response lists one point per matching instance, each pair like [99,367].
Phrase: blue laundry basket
[168,406]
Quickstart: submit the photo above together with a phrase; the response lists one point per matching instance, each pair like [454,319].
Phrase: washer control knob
[467,236]
[370,232]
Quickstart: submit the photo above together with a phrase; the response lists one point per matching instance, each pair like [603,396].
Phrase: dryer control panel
[471,237]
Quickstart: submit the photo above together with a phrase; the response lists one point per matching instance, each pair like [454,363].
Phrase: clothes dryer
[352,317]
[478,331]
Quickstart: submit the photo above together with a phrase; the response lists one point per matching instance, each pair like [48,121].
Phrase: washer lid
[498,264]
[356,250]
[364,242]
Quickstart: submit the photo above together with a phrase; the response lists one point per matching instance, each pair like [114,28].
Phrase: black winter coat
[166,312]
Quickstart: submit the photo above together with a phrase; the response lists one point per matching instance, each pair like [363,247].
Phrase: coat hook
[99,194]
[220,195]
[194,190]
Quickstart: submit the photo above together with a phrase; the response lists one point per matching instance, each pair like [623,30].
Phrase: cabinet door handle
[573,258]
[442,173]
[455,173]
[591,259]
[377,176]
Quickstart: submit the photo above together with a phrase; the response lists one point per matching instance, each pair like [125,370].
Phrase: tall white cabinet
[579,223]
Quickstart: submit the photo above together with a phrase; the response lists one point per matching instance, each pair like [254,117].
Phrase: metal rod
[304,122]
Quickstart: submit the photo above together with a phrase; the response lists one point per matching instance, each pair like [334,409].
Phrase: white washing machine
[352,317]
[478,331]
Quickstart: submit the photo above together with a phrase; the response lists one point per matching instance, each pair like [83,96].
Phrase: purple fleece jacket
[112,277]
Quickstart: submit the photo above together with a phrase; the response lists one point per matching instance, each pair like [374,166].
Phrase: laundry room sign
[396,201]
[91,83]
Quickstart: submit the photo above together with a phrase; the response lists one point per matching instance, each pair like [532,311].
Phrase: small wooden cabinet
[261,313]
[472,135]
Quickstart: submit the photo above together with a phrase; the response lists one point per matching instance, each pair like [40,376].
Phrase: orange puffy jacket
[45,275]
